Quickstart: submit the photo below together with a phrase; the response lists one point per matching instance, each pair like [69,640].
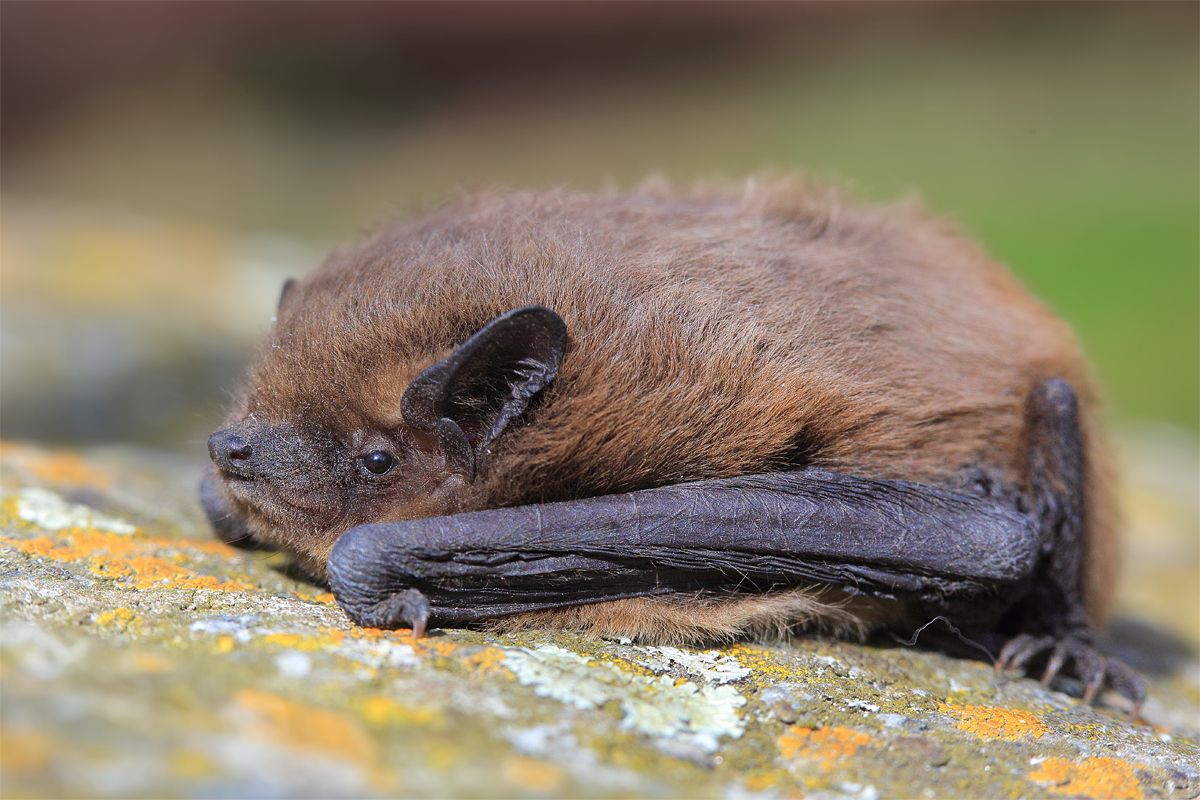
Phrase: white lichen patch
[40,652]
[705,712]
[709,666]
[238,627]
[50,511]
[661,706]
[564,676]
[379,654]
[862,705]
[293,665]
[371,653]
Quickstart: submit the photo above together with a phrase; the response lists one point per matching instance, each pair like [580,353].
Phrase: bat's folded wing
[746,534]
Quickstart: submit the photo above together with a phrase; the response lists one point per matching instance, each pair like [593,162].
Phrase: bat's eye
[377,462]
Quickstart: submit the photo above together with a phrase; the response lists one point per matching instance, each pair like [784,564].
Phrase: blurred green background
[166,165]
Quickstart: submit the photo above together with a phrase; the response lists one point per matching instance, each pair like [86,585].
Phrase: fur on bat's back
[714,332]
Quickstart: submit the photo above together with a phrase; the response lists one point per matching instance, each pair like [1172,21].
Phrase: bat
[681,416]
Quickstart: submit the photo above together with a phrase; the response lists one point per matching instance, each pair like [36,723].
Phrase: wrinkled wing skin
[753,533]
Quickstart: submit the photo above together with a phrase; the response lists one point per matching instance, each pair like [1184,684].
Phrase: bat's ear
[468,399]
[288,285]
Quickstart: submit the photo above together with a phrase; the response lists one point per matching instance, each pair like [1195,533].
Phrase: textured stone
[142,658]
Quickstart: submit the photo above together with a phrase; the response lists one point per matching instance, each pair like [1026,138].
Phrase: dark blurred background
[167,165]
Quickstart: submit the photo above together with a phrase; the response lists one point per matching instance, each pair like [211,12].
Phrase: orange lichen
[331,637]
[381,710]
[992,722]
[191,764]
[118,617]
[825,747]
[68,469]
[533,774]
[23,750]
[57,468]
[1096,778]
[307,728]
[150,662]
[307,641]
[143,562]
[324,598]
[765,781]
[429,645]
[371,634]
[149,571]
[487,661]
[294,641]
[760,661]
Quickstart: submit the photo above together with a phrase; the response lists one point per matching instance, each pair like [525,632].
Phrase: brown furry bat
[681,417]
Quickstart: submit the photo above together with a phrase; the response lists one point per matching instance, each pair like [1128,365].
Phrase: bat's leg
[1054,624]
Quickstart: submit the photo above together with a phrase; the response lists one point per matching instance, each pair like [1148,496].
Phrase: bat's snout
[232,453]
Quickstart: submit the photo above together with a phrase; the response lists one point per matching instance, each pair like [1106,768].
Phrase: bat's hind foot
[1075,654]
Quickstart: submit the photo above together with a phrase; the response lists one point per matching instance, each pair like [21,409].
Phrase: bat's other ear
[288,285]
[468,399]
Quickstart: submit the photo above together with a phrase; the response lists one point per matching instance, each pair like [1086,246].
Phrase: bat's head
[340,424]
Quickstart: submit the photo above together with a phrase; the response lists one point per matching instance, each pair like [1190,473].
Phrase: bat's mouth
[233,475]
[263,497]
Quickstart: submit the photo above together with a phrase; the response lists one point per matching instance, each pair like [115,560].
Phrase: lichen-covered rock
[140,657]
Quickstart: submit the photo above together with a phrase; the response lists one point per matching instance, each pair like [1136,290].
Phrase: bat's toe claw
[1004,660]
[1092,685]
[1075,654]
[1020,649]
[1058,659]
[1092,669]
[1126,682]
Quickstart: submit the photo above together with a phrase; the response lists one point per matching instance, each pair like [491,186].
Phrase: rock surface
[141,658]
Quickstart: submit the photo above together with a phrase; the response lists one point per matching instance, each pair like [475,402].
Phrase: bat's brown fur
[714,332]
[684,618]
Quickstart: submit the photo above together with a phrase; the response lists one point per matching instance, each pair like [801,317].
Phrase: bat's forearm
[751,533]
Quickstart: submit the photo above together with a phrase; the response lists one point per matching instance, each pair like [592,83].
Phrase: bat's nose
[231,452]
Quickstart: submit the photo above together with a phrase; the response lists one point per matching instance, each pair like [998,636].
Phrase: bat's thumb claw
[416,609]
[368,584]
[409,607]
